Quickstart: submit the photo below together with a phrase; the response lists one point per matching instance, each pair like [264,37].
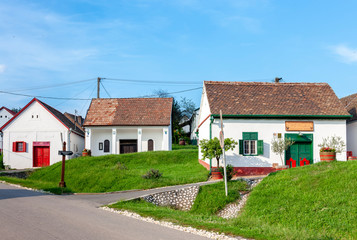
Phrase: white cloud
[2,68]
[347,54]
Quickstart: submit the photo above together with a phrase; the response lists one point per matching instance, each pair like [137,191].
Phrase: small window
[5,116]
[1,116]
[32,116]
[36,116]
[250,145]
[100,146]
[106,145]
[19,147]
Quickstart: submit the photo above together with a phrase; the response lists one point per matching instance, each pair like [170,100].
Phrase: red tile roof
[258,98]
[129,112]
[350,103]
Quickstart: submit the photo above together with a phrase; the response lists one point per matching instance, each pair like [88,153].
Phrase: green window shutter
[250,136]
[260,147]
[241,147]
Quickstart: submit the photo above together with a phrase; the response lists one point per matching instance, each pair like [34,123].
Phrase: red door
[41,156]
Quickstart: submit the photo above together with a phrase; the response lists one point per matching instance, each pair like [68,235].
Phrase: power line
[105,89]
[33,96]
[187,90]
[153,81]
[53,86]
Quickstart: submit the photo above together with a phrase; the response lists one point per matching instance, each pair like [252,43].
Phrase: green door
[302,148]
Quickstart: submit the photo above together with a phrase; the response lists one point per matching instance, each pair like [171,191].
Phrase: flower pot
[352,158]
[182,142]
[84,154]
[327,156]
[216,174]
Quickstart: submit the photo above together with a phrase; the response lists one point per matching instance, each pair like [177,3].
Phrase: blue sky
[44,43]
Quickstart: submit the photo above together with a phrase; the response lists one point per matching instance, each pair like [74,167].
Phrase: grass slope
[105,174]
[312,202]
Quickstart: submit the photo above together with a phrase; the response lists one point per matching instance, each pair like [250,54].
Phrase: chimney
[277,79]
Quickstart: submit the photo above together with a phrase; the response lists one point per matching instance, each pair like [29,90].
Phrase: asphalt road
[30,215]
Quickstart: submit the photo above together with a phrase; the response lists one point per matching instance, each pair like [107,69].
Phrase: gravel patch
[200,232]
[232,210]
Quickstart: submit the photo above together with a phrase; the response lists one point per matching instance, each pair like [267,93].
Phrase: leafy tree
[212,148]
[279,145]
[16,110]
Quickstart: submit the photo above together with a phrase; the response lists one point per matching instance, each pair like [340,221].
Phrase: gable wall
[352,137]
[27,129]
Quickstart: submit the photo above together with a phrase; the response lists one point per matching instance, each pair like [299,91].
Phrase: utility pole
[98,87]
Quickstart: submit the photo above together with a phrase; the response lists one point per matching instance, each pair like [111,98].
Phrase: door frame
[304,138]
[41,144]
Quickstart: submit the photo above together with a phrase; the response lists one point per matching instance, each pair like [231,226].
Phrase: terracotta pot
[84,154]
[182,142]
[327,156]
[216,174]
[352,158]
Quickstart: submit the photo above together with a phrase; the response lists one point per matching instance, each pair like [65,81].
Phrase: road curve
[26,214]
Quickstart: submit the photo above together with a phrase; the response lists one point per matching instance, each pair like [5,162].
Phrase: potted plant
[329,147]
[182,141]
[86,152]
[278,146]
[212,149]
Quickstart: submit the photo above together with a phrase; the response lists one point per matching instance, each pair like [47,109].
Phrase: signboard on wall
[306,126]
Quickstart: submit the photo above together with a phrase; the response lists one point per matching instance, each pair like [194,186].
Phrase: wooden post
[62,183]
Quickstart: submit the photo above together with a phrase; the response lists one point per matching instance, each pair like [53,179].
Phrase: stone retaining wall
[181,199]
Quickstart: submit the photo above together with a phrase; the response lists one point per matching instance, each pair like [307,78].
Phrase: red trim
[34,99]
[11,112]
[203,163]
[245,171]
[203,121]
[41,144]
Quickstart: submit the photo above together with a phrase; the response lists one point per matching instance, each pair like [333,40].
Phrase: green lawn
[119,172]
[180,147]
[312,202]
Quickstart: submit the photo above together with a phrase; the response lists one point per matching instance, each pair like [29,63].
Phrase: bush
[152,174]
[230,171]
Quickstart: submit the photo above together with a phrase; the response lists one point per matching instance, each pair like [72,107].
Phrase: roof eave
[262,116]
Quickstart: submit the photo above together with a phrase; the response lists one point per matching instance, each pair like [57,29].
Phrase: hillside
[119,172]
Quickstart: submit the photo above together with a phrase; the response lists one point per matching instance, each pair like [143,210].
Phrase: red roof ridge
[10,111]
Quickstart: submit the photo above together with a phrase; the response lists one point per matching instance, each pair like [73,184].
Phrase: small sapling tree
[279,145]
[212,148]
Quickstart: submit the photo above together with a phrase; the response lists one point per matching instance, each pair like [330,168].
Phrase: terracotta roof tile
[350,103]
[129,112]
[257,98]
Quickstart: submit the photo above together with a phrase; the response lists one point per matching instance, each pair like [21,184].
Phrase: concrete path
[31,215]
[98,200]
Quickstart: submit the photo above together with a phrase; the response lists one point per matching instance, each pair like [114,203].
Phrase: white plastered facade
[161,136]
[37,124]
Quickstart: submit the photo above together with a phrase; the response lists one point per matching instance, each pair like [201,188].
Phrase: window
[106,145]
[150,145]
[250,145]
[100,146]
[19,147]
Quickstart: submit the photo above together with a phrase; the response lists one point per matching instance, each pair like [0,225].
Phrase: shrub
[152,174]
[1,162]
[230,171]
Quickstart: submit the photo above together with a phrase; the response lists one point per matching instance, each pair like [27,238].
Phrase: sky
[58,48]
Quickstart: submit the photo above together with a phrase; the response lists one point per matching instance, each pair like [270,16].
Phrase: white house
[350,103]
[5,115]
[256,113]
[124,125]
[34,136]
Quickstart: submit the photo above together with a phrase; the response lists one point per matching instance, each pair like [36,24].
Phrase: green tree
[212,148]
[279,145]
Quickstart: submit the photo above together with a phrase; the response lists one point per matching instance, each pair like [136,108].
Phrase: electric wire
[105,89]
[52,86]
[152,81]
[157,95]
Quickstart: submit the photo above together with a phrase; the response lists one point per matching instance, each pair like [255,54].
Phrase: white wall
[25,128]
[5,116]
[233,128]
[162,141]
[77,145]
[352,137]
